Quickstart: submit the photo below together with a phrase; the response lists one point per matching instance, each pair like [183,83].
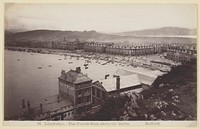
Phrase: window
[87,108]
[79,100]
[98,93]
[93,101]
[88,99]
[103,95]
[79,94]
[93,91]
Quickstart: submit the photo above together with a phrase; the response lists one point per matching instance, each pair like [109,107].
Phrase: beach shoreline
[145,61]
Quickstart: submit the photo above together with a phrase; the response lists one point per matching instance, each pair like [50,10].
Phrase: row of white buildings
[180,54]
[125,49]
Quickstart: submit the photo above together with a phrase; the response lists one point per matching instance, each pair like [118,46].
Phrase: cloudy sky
[100,17]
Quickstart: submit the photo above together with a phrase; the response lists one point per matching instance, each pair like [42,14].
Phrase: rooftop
[49,105]
[125,82]
[145,77]
[98,84]
[74,76]
[52,103]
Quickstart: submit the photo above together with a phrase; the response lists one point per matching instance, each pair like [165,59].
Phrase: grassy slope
[183,81]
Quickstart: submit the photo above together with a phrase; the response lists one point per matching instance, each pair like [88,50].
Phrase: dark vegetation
[111,109]
[173,96]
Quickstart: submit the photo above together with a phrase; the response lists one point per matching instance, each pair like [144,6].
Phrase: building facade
[95,47]
[129,50]
[76,87]
[180,54]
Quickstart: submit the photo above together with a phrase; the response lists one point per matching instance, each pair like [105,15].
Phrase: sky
[107,18]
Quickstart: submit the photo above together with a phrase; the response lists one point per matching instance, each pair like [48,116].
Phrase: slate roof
[98,84]
[75,77]
[50,105]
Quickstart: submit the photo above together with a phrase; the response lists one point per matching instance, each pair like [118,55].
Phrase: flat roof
[125,82]
[145,76]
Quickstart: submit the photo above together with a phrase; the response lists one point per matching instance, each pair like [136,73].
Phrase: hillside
[55,35]
[58,35]
[165,31]
[173,96]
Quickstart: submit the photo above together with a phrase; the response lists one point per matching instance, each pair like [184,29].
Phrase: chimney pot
[23,103]
[106,76]
[29,106]
[58,99]
[63,73]
[118,83]
[41,107]
[78,69]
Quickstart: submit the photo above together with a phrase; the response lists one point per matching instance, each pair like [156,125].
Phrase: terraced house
[125,49]
[95,47]
[180,55]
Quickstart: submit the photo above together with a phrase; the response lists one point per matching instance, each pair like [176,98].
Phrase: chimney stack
[78,69]
[41,108]
[63,73]
[23,104]
[107,75]
[58,99]
[29,106]
[118,83]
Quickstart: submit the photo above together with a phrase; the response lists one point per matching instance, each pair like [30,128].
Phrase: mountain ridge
[92,35]
[160,31]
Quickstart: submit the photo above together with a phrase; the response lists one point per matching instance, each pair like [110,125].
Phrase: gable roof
[98,84]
